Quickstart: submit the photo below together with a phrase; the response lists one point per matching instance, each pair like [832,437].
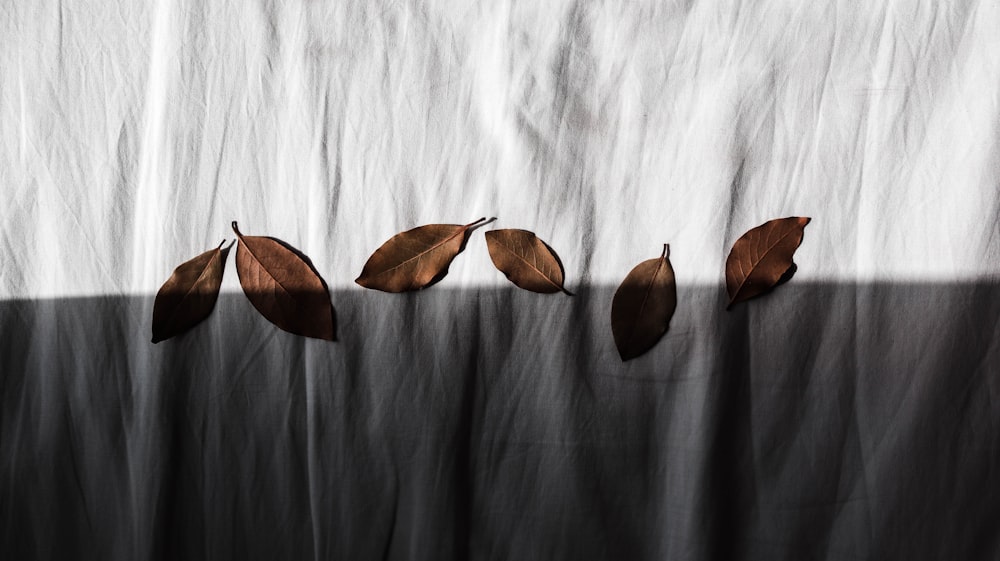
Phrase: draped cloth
[850,414]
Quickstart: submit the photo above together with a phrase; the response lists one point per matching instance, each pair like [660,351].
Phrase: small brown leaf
[284,287]
[761,257]
[643,305]
[189,295]
[526,260]
[416,258]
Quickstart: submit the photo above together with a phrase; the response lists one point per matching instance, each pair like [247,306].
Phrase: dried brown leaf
[526,260]
[643,305]
[189,295]
[283,286]
[416,258]
[762,256]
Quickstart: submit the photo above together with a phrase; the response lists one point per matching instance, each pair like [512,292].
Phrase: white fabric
[134,133]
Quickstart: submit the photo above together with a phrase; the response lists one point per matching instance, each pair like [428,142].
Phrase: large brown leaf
[643,305]
[189,295]
[526,260]
[761,257]
[416,258]
[284,287]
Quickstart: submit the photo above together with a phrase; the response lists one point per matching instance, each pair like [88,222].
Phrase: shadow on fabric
[825,421]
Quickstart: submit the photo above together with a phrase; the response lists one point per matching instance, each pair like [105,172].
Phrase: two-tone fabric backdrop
[852,413]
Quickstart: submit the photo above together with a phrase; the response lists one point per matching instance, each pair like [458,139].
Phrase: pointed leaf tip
[526,260]
[643,306]
[761,257]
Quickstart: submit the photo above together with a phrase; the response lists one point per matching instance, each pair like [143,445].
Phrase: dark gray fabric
[824,422]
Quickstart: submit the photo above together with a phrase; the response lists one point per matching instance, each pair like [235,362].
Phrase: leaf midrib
[173,314]
[645,298]
[753,265]
[525,261]
[419,255]
[266,271]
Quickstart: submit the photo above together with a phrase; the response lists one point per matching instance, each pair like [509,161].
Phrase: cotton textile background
[852,414]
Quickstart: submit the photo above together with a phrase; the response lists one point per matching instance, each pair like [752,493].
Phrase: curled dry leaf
[416,258]
[526,260]
[284,287]
[762,256]
[189,295]
[643,305]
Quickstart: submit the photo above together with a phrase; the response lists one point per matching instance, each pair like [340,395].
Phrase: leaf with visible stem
[527,261]
[283,286]
[643,306]
[417,258]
